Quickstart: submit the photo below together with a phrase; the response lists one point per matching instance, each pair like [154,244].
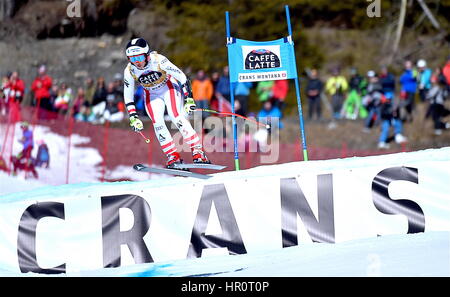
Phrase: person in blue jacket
[242,93]
[23,160]
[43,155]
[223,85]
[408,81]
[423,79]
[269,112]
[387,80]
[389,114]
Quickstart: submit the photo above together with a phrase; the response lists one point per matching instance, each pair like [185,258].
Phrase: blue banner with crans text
[261,60]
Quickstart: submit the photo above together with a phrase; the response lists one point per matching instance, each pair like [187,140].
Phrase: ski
[178,172]
[199,166]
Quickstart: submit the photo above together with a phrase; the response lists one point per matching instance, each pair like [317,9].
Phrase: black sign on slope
[262,59]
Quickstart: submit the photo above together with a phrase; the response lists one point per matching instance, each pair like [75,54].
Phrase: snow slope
[423,254]
[84,164]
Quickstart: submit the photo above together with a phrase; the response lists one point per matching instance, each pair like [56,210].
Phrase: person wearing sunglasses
[165,86]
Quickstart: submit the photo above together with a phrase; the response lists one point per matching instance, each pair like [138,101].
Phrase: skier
[163,83]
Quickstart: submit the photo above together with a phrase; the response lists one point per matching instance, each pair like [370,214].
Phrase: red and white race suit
[159,80]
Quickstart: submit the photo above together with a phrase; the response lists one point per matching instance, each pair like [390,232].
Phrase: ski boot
[199,157]
[172,159]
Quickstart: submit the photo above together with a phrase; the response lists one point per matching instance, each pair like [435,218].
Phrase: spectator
[268,113]
[215,76]
[353,106]
[242,93]
[139,100]
[436,96]
[238,107]
[423,79]
[336,87]
[389,114]
[4,108]
[439,77]
[54,91]
[23,160]
[446,72]
[357,81]
[314,89]
[118,86]
[64,99]
[264,90]
[80,100]
[202,91]
[118,83]
[222,90]
[85,114]
[26,140]
[43,155]
[113,110]
[100,92]
[372,101]
[41,89]
[409,86]
[99,100]
[387,81]
[89,91]
[279,92]
[16,88]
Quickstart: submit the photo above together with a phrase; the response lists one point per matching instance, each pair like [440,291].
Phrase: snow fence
[85,227]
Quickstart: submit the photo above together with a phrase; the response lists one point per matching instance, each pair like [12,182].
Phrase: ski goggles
[138,58]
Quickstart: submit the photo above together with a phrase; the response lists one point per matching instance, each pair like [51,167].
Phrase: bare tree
[428,13]
[7,8]
[398,34]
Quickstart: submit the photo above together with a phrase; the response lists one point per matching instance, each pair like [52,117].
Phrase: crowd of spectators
[379,97]
[94,102]
[382,99]
[214,92]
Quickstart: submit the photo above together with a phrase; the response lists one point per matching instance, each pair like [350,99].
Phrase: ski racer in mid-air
[164,85]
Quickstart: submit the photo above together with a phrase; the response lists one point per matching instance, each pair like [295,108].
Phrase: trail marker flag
[253,61]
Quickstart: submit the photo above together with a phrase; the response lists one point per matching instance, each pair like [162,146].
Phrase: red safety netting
[121,147]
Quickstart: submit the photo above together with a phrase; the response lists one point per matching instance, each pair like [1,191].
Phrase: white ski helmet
[421,63]
[137,46]
[371,73]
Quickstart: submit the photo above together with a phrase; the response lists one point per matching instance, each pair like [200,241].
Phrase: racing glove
[189,105]
[136,124]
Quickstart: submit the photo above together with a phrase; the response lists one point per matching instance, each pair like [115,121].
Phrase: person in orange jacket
[202,91]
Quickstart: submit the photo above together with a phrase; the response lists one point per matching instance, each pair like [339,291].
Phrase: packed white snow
[85,164]
[422,254]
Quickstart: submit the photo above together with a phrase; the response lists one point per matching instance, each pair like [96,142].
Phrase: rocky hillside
[34,32]
[71,60]
[73,48]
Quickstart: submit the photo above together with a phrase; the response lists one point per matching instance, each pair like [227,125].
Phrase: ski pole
[267,126]
[147,140]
